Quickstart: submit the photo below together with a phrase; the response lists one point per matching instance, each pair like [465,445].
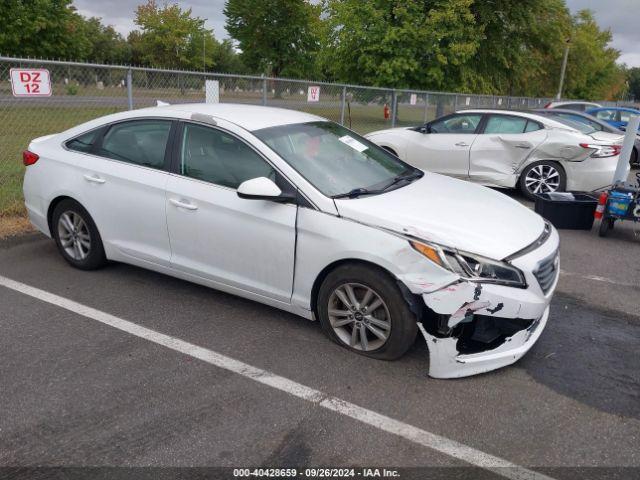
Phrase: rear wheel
[362,309]
[77,236]
[542,177]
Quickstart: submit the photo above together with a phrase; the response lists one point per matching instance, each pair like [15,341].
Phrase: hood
[450,212]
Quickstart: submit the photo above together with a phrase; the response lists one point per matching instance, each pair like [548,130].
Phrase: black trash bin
[567,210]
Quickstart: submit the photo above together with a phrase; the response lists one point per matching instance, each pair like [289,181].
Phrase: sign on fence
[313,94]
[212,91]
[30,82]
[413,99]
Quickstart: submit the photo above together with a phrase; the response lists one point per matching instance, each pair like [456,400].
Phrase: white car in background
[294,211]
[507,149]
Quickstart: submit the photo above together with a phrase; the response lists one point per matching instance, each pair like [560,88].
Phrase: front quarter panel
[325,239]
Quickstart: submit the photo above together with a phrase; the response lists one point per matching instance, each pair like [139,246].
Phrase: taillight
[29,158]
[548,105]
[601,151]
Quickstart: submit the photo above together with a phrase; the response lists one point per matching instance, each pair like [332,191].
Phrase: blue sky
[621,16]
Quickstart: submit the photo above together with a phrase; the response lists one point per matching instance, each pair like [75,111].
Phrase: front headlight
[471,266]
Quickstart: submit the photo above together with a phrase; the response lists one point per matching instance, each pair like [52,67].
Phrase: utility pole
[564,68]
[204,47]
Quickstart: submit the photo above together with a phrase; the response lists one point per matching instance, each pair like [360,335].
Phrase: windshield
[337,161]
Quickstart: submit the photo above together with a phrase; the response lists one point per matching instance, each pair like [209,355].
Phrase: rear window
[84,142]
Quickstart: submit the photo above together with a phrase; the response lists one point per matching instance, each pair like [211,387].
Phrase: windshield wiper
[400,178]
[356,192]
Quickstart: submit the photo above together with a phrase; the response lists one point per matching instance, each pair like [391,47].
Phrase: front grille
[547,272]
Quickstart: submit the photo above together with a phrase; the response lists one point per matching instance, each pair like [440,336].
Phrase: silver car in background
[508,149]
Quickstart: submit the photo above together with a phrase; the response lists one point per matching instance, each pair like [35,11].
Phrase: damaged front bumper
[473,327]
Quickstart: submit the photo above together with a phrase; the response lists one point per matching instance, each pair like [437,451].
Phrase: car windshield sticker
[353,143]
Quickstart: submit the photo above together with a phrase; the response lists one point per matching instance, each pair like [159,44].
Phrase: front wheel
[542,177]
[362,309]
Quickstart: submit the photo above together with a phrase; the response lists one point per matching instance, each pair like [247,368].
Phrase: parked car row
[540,151]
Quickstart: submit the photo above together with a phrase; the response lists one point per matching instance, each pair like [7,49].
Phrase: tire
[545,176]
[391,319]
[77,236]
[606,224]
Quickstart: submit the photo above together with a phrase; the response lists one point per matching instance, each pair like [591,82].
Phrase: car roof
[572,102]
[568,111]
[517,113]
[249,117]
[621,109]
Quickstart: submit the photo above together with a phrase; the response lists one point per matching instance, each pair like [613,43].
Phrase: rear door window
[139,142]
[507,124]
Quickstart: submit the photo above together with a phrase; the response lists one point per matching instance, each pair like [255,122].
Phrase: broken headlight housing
[472,267]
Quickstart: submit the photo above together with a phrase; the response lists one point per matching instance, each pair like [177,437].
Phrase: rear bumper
[591,174]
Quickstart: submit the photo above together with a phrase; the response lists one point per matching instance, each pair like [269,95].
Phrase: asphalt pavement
[77,392]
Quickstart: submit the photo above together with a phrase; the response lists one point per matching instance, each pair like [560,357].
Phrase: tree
[276,37]
[522,46]
[592,72]
[170,37]
[633,80]
[43,29]
[402,44]
[106,45]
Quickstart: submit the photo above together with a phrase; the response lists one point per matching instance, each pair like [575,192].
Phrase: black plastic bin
[567,210]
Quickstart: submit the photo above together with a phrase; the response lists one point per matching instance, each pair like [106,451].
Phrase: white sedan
[294,211]
[508,149]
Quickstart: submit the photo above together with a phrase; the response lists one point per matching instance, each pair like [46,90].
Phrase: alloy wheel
[542,179]
[74,235]
[359,317]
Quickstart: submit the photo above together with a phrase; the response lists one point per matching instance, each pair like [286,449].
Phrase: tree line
[505,47]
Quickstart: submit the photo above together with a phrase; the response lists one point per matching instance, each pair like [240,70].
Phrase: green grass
[20,124]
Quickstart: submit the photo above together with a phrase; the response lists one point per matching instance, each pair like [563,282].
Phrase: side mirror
[425,129]
[262,188]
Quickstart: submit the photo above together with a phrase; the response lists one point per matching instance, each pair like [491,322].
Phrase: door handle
[526,146]
[183,204]
[94,179]
[462,144]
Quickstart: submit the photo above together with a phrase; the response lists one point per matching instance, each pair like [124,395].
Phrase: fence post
[426,106]
[394,107]
[455,102]
[344,104]
[264,90]
[130,88]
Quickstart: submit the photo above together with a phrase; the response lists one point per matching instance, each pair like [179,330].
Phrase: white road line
[409,432]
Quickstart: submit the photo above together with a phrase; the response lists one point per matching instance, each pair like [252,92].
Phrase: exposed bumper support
[445,361]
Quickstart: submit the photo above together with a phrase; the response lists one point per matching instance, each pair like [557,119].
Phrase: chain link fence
[81,91]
